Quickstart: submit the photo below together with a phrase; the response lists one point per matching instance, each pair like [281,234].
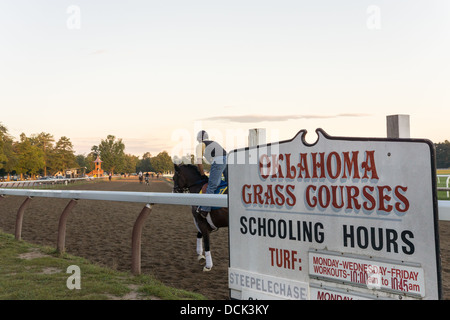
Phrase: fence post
[136,240]
[256,137]
[60,246]
[19,218]
[446,184]
[398,126]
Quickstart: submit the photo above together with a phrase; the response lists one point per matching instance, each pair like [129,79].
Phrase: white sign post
[343,218]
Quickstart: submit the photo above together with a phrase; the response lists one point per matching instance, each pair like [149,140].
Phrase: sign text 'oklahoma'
[343,218]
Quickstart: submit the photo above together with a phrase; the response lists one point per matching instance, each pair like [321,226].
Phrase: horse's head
[185,177]
[179,181]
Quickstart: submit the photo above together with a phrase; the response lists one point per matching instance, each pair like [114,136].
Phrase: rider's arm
[200,168]
[199,151]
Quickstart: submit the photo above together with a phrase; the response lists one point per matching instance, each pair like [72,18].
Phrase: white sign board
[343,218]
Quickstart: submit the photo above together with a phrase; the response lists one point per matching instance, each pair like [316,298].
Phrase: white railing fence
[147,198]
[447,182]
[43,183]
[444,210]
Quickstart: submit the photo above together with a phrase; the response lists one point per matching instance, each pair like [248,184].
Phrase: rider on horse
[217,157]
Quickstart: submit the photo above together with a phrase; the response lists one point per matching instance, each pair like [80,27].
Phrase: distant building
[69,173]
[98,171]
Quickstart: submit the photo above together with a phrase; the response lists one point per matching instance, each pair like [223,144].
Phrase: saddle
[221,189]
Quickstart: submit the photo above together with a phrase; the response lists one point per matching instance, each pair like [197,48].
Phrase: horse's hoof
[206,269]
[200,258]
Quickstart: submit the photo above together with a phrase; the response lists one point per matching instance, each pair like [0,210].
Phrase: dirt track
[101,232]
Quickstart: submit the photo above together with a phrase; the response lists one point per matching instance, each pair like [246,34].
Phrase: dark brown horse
[187,178]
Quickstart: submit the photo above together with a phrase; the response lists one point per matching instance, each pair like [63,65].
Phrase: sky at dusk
[153,73]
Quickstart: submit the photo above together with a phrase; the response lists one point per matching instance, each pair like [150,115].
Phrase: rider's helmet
[202,135]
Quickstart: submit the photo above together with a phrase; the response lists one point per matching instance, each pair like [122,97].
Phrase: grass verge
[31,272]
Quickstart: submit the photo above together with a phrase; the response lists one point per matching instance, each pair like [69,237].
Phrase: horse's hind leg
[200,255]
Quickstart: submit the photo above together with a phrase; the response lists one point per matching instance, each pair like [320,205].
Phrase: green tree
[145,164]
[112,154]
[45,142]
[8,158]
[162,162]
[9,154]
[130,163]
[443,154]
[83,163]
[30,158]
[94,152]
[62,156]
[3,141]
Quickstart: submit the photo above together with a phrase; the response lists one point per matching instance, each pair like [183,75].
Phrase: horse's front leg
[200,256]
